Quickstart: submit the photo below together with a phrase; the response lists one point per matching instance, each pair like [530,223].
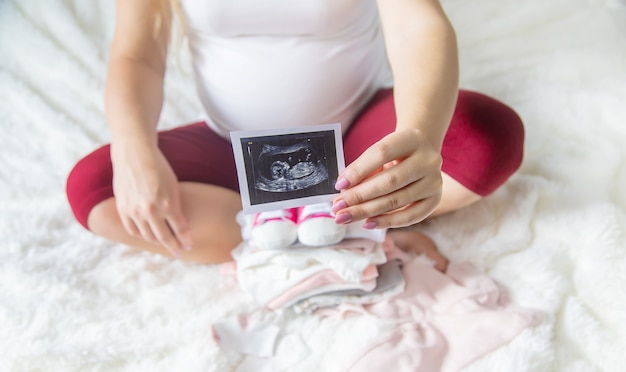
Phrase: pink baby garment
[324,282]
[389,283]
[443,321]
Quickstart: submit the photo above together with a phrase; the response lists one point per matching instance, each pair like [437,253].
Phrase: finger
[392,147]
[145,231]
[180,228]
[422,189]
[413,213]
[165,237]
[177,222]
[126,219]
[130,226]
[390,165]
[383,183]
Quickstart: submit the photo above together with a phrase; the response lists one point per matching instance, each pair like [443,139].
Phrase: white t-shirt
[264,64]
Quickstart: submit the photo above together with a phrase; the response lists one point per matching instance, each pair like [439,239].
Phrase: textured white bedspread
[554,236]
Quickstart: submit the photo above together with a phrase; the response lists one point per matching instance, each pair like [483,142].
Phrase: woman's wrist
[434,136]
[430,119]
[128,150]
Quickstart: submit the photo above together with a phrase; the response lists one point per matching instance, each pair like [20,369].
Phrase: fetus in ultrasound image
[290,166]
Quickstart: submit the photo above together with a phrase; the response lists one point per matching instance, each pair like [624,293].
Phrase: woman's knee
[485,143]
[89,183]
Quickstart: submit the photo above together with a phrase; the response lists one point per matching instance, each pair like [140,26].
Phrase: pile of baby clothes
[441,321]
[307,278]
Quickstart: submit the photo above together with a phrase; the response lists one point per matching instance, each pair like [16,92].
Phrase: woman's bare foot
[418,243]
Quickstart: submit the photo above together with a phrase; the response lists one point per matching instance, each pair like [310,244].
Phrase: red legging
[482,148]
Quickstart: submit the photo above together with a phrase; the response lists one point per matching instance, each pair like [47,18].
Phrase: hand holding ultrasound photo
[287,168]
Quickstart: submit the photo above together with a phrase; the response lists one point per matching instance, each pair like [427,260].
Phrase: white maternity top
[264,64]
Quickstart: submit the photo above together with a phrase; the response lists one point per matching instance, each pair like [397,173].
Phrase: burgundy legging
[482,148]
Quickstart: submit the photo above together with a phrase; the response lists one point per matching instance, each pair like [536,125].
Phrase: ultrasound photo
[283,169]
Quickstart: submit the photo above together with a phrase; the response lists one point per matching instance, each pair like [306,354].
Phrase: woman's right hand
[148,198]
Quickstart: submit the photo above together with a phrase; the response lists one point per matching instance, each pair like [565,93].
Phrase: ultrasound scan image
[289,168]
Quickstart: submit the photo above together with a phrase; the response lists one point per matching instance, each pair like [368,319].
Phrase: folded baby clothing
[439,321]
[301,277]
[325,281]
[389,283]
[278,278]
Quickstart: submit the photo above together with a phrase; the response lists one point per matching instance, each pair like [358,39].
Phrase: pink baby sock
[317,227]
[275,229]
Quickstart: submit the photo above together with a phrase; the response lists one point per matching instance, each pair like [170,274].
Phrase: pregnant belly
[276,87]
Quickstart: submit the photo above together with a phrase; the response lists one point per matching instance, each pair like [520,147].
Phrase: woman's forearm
[422,51]
[136,70]
[133,102]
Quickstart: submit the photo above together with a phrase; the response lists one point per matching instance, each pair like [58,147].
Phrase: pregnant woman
[387,70]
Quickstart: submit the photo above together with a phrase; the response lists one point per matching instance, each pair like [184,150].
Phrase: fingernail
[341,183]
[339,205]
[187,247]
[343,218]
[370,225]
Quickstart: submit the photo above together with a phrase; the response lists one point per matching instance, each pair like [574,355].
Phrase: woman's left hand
[396,182]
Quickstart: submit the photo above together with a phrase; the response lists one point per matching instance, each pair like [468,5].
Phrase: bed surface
[553,236]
